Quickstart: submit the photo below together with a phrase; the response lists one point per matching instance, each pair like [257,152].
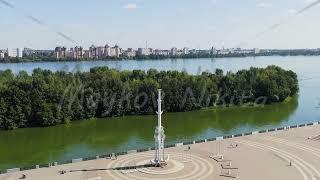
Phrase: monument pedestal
[158,164]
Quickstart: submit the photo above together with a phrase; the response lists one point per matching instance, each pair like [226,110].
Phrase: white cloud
[265,5]
[130,6]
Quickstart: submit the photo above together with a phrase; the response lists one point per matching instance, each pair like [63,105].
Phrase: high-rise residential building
[70,53]
[143,51]
[87,54]
[213,51]
[130,53]
[112,52]
[185,51]
[1,55]
[107,50]
[256,51]
[174,51]
[15,52]
[78,52]
[100,51]
[151,51]
[93,52]
[75,53]
[60,52]
[160,52]
[117,50]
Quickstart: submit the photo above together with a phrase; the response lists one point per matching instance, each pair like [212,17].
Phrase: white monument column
[159,137]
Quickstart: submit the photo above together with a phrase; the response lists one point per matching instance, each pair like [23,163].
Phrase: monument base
[158,163]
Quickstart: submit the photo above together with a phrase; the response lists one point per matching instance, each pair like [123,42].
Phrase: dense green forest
[48,98]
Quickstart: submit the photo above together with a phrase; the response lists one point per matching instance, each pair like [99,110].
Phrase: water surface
[24,147]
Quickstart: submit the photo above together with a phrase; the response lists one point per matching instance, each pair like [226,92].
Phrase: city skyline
[163,24]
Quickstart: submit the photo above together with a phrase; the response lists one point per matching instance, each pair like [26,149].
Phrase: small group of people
[63,172]
[234,145]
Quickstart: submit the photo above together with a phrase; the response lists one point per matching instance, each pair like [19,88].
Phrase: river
[25,147]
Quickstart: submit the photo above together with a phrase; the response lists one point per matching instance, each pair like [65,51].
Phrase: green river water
[87,138]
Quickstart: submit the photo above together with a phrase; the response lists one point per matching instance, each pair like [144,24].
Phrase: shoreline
[2,61]
[181,144]
[212,108]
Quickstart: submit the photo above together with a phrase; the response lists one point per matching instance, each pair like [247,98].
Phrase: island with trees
[46,98]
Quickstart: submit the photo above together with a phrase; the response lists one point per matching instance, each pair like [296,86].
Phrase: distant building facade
[213,51]
[15,52]
[75,53]
[174,51]
[143,51]
[160,52]
[2,55]
[30,52]
[60,52]
[130,53]
[107,51]
[185,51]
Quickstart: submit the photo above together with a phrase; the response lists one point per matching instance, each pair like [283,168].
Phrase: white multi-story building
[144,51]
[256,50]
[60,52]
[87,54]
[93,52]
[112,52]
[246,51]
[75,53]
[174,51]
[130,53]
[185,51]
[15,52]
[117,50]
[1,55]
[151,51]
[107,50]
[100,51]
[213,51]
[162,52]
[69,53]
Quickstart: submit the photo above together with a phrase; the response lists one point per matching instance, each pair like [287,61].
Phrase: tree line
[49,57]
[47,98]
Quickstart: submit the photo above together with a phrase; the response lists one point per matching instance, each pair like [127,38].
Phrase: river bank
[44,59]
[26,147]
[278,149]
[87,138]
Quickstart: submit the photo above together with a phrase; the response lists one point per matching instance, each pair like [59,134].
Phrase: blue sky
[164,24]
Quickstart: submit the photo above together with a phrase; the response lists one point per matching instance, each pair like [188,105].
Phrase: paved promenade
[288,154]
